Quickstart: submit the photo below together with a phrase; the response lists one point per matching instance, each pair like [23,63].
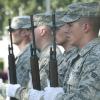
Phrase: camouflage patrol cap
[21,22]
[58,16]
[42,19]
[78,10]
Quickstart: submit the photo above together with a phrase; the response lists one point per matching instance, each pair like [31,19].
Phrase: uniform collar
[89,46]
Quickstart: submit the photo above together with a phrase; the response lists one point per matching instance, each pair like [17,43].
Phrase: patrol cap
[78,10]
[42,19]
[58,16]
[20,22]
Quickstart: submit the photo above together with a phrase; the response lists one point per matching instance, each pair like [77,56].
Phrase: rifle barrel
[53,73]
[11,62]
[34,62]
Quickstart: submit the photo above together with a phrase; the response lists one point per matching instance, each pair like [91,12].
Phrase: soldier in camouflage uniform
[21,37]
[69,51]
[62,40]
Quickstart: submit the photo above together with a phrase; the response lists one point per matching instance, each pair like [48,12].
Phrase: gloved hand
[1,80]
[52,92]
[35,94]
[11,89]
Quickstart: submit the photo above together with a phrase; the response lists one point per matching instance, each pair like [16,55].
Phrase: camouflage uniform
[44,70]
[23,66]
[82,82]
[63,64]
[44,65]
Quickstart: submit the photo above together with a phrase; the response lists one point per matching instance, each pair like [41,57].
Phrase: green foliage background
[10,8]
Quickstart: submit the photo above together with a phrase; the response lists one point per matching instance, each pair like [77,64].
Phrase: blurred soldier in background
[21,33]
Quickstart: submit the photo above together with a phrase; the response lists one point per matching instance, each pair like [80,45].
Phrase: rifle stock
[11,62]
[53,73]
[34,61]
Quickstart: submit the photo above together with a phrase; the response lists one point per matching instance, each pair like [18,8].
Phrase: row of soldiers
[78,67]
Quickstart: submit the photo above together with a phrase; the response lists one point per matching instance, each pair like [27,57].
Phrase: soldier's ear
[43,31]
[86,27]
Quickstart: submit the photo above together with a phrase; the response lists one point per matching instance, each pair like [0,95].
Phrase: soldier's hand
[11,89]
[52,92]
[35,94]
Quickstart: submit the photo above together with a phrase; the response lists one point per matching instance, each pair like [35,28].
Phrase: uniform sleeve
[44,66]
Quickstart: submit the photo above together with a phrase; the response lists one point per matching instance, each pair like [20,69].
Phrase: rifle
[53,74]
[34,61]
[11,61]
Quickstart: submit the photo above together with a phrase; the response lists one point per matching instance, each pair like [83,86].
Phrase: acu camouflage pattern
[21,22]
[44,65]
[82,82]
[63,64]
[23,66]
[58,16]
[42,19]
[78,10]
[46,19]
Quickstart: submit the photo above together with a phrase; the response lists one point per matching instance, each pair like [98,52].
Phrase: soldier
[69,51]
[21,37]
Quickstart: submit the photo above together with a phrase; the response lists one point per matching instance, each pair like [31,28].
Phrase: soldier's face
[62,34]
[76,33]
[19,35]
[16,37]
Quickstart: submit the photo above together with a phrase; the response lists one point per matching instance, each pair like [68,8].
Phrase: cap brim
[19,27]
[70,18]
